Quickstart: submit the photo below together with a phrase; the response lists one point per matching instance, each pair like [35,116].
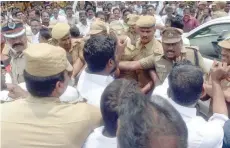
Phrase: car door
[204,37]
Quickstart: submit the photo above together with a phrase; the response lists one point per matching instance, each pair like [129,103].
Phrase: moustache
[17,44]
[144,37]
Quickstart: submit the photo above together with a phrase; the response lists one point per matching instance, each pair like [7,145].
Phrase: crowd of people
[108,75]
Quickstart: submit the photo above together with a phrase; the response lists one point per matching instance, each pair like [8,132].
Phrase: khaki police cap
[132,19]
[146,21]
[97,27]
[225,44]
[60,30]
[43,60]
[171,35]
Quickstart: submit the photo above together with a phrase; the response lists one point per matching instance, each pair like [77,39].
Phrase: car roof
[225,19]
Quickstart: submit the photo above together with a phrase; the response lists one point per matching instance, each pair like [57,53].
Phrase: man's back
[45,122]
[91,86]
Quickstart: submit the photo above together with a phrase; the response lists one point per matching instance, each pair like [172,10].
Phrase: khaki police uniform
[76,50]
[145,53]
[45,122]
[163,65]
[98,27]
[117,28]
[13,29]
[226,82]
[59,31]
[132,18]
[219,13]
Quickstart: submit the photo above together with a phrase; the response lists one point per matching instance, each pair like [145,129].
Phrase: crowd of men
[112,76]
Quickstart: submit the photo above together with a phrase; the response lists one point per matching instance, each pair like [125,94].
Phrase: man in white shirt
[149,123]
[185,86]
[159,23]
[57,18]
[83,25]
[70,94]
[99,53]
[35,27]
[138,7]
[167,18]
[90,15]
[105,136]
[69,16]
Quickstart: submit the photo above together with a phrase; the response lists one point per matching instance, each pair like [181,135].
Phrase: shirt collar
[43,99]
[35,35]
[185,112]
[87,24]
[98,79]
[148,45]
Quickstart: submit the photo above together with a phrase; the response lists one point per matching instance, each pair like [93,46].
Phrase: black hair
[142,119]
[98,50]
[68,8]
[110,102]
[150,6]
[177,22]
[37,13]
[90,8]
[16,13]
[42,86]
[105,7]
[45,33]
[116,9]
[44,12]
[126,10]
[47,6]
[185,83]
[100,13]
[74,32]
[34,19]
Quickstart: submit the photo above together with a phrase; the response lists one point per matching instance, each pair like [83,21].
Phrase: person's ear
[59,86]
[110,63]
[203,92]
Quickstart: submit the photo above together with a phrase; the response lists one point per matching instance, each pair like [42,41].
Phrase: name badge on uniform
[160,66]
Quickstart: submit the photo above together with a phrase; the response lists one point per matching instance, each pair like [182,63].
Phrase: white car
[206,38]
[208,33]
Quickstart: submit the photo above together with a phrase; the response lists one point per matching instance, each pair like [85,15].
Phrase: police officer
[74,48]
[41,112]
[147,48]
[119,31]
[132,34]
[15,35]
[225,82]
[174,51]
[220,5]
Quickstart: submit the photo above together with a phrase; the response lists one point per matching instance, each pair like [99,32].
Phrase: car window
[212,30]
